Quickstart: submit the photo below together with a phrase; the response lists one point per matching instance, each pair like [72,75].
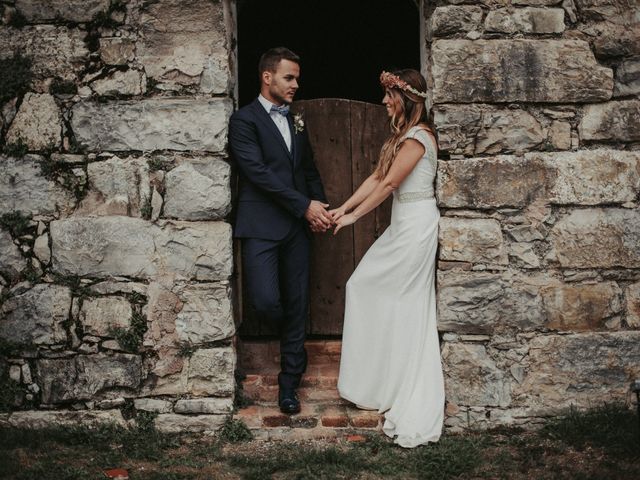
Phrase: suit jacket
[275,186]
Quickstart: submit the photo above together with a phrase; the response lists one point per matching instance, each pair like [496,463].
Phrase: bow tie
[282,109]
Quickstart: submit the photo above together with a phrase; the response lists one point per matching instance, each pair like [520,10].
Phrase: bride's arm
[363,191]
[406,159]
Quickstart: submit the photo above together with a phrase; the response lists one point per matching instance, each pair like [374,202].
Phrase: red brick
[334,347]
[276,421]
[299,421]
[356,438]
[365,421]
[310,381]
[117,474]
[252,380]
[338,421]
[319,394]
[270,379]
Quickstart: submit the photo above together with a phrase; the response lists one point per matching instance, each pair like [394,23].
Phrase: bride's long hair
[412,112]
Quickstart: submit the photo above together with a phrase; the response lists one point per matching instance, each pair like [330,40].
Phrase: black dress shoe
[288,401]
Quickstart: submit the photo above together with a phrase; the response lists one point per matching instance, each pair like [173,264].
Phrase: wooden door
[346,137]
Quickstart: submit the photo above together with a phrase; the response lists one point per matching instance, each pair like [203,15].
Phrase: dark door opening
[343,44]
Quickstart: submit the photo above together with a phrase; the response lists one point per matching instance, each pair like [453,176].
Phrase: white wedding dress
[390,351]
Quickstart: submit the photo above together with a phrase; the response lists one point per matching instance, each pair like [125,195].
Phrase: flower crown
[389,80]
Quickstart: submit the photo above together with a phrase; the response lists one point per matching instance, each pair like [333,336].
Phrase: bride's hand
[344,221]
[337,213]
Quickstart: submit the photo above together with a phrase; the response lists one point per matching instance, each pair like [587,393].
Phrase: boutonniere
[298,123]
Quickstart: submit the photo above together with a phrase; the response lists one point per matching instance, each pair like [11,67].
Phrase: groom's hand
[318,217]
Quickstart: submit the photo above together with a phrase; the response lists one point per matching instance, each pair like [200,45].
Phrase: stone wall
[537,108]
[115,257]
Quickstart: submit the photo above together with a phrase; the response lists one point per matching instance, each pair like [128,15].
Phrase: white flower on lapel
[298,123]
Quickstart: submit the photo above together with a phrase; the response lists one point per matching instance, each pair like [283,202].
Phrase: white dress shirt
[280,120]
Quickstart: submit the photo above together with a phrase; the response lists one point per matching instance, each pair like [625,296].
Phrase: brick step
[314,421]
[317,386]
[263,356]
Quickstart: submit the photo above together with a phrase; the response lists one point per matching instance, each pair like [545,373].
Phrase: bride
[390,352]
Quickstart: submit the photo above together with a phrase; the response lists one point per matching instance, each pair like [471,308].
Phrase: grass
[131,338]
[602,443]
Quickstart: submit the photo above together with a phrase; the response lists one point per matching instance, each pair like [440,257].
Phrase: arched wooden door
[346,137]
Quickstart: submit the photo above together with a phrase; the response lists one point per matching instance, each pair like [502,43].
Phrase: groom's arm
[243,140]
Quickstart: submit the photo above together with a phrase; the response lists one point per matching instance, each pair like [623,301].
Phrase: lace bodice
[419,184]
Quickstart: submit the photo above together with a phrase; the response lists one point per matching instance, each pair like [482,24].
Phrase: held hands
[319,219]
[344,221]
[341,218]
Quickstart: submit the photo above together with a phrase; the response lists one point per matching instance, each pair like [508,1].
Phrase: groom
[280,198]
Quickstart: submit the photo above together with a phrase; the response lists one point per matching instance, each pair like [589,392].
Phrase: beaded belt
[414,196]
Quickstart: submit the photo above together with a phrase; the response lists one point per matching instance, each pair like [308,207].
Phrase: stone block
[204,405]
[123,246]
[580,307]
[38,123]
[191,195]
[483,303]
[117,187]
[516,70]
[153,405]
[24,188]
[633,305]
[46,11]
[55,51]
[627,78]
[211,372]
[455,18]
[40,419]
[186,43]
[160,124]
[591,177]
[580,370]
[587,177]
[100,315]
[41,248]
[129,82]
[84,376]
[478,129]
[37,316]
[501,181]
[172,423]
[472,377]
[11,260]
[597,238]
[117,50]
[612,40]
[525,20]
[476,240]
[206,314]
[611,121]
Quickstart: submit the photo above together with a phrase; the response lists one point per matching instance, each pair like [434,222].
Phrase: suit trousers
[276,275]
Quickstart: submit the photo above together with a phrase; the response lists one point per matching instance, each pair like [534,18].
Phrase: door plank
[329,123]
[369,129]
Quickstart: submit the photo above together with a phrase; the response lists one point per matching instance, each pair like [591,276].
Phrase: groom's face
[283,83]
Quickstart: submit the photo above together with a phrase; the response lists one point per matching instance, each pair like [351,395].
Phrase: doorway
[344,45]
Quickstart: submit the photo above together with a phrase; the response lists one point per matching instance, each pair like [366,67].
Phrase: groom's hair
[271,58]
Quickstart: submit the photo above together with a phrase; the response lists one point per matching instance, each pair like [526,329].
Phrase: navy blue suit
[275,189]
